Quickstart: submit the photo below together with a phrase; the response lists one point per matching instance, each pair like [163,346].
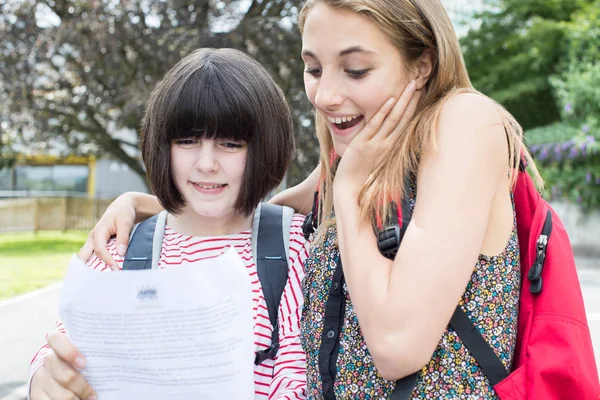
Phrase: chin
[213,213]
[210,211]
[340,148]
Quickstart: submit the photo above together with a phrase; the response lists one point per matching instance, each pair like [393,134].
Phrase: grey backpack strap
[145,243]
[270,248]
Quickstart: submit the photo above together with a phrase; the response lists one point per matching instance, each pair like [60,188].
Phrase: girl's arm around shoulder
[299,246]
[300,197]
[404,306]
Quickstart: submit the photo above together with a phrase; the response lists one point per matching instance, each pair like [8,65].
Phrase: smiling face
[351,69]
[217,129]
[208,173]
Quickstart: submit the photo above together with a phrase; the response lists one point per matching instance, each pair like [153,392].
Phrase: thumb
[65,350]
[86,250]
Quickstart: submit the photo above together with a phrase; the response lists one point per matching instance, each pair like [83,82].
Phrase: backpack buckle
[388,241]
[308,227]
[269,352]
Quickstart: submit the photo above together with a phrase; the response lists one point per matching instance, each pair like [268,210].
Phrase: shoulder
[469,113]
[298,245]
[296,232]
[469,123]
[470,147]
[474,106]
[297,221]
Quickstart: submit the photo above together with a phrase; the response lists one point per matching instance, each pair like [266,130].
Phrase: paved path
[23,326]
[25,322]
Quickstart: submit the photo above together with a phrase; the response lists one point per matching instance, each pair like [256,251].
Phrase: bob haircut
[218,94]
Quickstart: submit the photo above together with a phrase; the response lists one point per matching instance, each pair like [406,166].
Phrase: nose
[207,160]
[329,94]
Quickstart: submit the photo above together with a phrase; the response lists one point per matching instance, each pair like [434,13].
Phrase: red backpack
[553,358]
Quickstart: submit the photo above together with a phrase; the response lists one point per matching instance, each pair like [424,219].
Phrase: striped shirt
[282,378]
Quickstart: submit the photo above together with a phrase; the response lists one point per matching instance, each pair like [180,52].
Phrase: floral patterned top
[491,301]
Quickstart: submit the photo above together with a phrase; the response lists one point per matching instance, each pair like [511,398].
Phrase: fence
[40,214]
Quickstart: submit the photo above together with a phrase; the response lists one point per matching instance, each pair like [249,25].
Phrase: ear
[424,67]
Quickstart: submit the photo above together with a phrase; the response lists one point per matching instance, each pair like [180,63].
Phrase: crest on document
[147,292]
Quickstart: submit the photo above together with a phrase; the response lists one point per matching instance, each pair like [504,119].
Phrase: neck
[191,224]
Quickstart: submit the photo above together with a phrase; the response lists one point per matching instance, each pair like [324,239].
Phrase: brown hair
[413,26]
[218,93]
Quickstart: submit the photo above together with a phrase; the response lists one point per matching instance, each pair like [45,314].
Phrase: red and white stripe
[282,378]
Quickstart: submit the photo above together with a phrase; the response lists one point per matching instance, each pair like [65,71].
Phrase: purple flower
[597,181]
[573,153]
[588,177]
[566,145]
[585,128]
[557,153]
[535,148]
[568,108]
[544,153]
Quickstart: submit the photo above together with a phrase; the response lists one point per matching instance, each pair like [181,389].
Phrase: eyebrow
[345,52]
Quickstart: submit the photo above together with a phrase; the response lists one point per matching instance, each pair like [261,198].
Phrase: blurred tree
[7,157]
[569,150]
[77,73]
[514,50]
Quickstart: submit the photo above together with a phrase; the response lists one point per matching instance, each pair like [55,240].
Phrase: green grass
[31,261]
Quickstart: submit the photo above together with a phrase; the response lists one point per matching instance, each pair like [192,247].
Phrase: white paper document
[180,333]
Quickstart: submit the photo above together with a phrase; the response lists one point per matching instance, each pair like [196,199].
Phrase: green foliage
[7,156]
[577,182]
[569,151]
[518,45]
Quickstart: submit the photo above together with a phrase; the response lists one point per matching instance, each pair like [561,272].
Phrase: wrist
[345,199]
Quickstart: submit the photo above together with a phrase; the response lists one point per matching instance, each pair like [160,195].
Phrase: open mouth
[343,123]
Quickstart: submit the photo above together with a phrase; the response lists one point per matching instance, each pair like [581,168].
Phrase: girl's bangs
[207,108]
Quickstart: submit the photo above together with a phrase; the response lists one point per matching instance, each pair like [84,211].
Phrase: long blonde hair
[413,26]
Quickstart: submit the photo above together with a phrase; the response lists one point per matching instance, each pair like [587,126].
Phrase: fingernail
[413,84]
[391,101]
[92,397]
[122,249]
[79,362]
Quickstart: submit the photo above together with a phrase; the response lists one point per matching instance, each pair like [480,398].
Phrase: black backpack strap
[143,243]
[311,222]
[272,265]
[390,237]
[468,333]
[404,387]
